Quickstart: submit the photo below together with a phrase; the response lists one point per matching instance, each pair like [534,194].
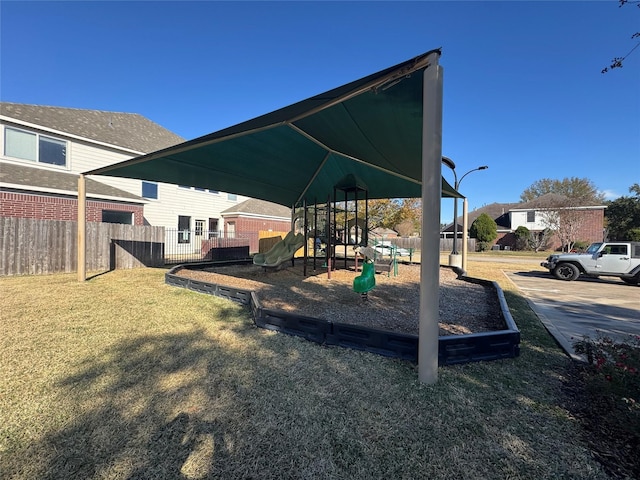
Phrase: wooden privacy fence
[33,247]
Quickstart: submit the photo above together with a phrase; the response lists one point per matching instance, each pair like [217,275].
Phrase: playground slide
[281,251]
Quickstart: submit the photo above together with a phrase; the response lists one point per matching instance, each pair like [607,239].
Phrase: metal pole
[465,236]
[454,251]
[431,198]
[306,239]
[347,236]
[315,232]
[328,249]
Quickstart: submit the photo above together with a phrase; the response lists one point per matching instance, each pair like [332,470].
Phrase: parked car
[387,248]
[607,259]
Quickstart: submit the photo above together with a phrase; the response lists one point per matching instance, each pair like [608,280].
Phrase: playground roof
[370,128]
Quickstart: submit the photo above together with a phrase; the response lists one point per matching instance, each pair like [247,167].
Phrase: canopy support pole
[329,235]
[306,240]
[465,234]
[82,229]
[315,232]
[431,199]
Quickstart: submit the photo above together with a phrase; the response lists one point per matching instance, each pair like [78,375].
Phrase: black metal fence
[183,246]
[196,245]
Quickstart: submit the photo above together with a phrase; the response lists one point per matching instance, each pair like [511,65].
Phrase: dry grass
[125,377]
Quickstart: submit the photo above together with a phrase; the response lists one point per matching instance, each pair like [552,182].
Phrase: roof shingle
[127,130]
[259,207]
[32,178]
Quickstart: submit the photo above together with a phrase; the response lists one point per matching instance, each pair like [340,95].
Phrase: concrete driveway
[587,306]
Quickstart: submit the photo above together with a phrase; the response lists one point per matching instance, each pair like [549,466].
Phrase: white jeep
[608,259]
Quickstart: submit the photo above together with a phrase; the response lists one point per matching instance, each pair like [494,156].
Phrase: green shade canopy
[370,128]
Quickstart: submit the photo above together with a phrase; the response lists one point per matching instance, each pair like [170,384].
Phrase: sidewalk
[585,307]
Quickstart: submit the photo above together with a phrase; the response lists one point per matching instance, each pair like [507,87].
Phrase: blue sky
[523,92]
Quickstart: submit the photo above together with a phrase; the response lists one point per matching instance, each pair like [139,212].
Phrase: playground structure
[338,226]
[330,227]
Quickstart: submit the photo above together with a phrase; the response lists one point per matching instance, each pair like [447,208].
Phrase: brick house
[248,218]
[43,149]
[29,192]
[510,216]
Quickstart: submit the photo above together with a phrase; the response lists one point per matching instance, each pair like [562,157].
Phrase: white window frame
[199,228]
[38,136]
[533,214]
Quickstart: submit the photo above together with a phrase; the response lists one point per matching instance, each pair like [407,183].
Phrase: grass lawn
[125,377]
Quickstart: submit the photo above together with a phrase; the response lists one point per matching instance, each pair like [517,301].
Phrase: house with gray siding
[43,149]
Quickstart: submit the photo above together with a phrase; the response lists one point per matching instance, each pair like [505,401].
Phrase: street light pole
[449,163]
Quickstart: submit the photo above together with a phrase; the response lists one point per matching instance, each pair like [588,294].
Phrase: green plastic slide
[281,251]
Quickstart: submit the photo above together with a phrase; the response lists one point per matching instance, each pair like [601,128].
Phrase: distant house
[42,194]
[252,216]
[380,233]
[532,215]
[43,149]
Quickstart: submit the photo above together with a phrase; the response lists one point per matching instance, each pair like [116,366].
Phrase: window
[214,191]
[213,228]
[184,223]
[232,196]
[34,147]
[116,216]
[618,250]
[199,230]
[231,230]
[149,189]
[531,217]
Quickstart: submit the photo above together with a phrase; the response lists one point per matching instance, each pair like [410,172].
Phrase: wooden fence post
[82,224]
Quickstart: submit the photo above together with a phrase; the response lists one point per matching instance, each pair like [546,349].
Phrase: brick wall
[44,207]
[590,231]
[593,226]
[250,226]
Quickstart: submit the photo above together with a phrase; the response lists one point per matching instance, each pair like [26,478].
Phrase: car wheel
[566,271]
[632,280]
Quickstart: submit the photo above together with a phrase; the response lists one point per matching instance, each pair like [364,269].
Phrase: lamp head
[483,167]
[449,163]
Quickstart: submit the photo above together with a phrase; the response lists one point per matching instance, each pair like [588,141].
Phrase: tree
[581,190]
[540,240]
[395,213]
[616,62]
[485,230]
[557,202]
[623,216]
[565,222]
[522,234]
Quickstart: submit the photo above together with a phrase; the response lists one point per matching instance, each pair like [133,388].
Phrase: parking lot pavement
[587,306]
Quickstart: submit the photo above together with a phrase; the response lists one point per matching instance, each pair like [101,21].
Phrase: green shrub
[523,235]
[483,246]
[580,245]
[484,229]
